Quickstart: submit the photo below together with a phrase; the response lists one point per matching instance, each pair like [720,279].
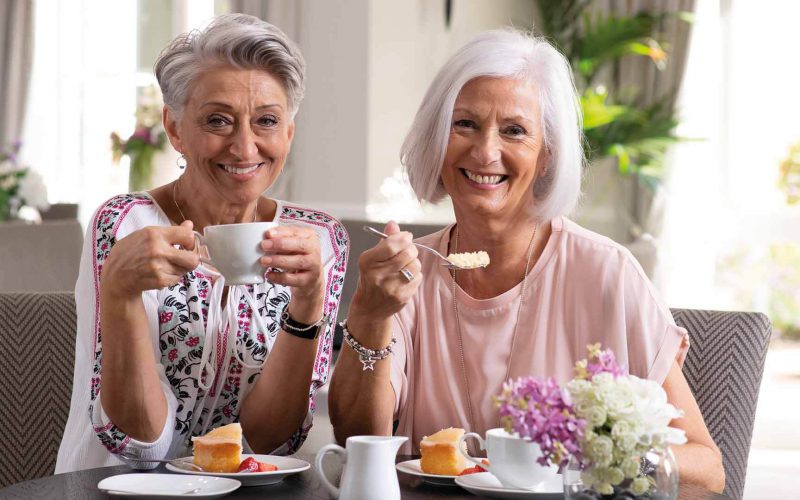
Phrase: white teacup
[235,250]
[513,461]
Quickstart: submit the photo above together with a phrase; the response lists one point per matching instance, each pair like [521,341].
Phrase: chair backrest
[40,257]
[724,368]
[37,350]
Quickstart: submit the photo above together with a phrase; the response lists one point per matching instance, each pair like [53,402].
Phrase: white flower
[595,416]
[604,489]
[600,450]
[630,468]
[650,401]
[619,399]
[623,435]
[640,485]
[33,190]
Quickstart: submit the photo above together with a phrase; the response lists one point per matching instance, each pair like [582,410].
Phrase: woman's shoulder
[585,244]
[322,222]
[138,208]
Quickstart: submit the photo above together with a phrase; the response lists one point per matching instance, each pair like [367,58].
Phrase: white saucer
[412,467]
[162,486]
[484,483]
[286,466]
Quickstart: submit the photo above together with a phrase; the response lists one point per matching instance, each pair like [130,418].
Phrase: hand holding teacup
[512,460]
[295,251]
[288,255]
[147,259]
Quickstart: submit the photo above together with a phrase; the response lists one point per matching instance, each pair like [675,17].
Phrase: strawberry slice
[249,464]
[473,470]
[265,467]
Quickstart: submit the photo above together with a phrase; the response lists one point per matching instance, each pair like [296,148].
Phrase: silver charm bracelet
[367,356]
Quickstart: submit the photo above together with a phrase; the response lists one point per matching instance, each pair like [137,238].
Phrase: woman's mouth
[241,171]
[483,181]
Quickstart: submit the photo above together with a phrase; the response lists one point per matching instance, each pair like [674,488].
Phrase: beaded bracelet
[367,356]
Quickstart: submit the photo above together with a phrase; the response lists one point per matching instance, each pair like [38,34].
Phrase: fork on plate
[177,462]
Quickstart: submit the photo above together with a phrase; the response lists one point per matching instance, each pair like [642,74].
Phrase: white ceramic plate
[162,486]
[484,483]
[412,467]
[286,466]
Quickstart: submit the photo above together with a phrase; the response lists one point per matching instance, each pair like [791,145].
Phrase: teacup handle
[199,241]
[481,444]
[329,448]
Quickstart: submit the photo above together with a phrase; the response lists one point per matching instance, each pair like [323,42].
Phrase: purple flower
[602,362]
[540,410]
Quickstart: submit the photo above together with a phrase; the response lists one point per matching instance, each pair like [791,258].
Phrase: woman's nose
[243,144]
[486,149]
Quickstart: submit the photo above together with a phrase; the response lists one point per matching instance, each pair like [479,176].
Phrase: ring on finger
[408,275]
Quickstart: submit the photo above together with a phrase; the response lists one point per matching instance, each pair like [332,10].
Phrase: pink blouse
[584,289]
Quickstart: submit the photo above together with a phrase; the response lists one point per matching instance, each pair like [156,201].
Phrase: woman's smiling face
[496,147]
[235,130]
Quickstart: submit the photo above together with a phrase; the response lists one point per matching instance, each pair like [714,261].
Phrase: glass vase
[657,465]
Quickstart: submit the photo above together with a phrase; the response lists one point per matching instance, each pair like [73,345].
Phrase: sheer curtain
[16,54]
[739,98]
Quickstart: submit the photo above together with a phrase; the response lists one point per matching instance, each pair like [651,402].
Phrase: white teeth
[483,179]
[235,170]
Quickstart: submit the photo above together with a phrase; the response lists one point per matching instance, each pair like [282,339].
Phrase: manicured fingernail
[267,244]
[265,261]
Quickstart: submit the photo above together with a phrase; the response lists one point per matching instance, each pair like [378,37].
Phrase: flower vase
[658,468]
[141,169]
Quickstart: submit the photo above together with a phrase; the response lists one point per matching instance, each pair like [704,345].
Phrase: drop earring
[181,162]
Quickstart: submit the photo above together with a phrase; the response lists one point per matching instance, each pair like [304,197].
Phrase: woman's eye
[268,121]
[217,121]
[515,130]
[464,123]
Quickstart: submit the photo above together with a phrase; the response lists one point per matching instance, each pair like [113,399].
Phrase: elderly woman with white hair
[499,131]
[165,351]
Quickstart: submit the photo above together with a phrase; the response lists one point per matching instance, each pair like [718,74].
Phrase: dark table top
[83,485]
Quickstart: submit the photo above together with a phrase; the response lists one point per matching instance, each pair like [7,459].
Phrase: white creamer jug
[369,471]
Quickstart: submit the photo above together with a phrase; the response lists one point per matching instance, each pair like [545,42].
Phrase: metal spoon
[446,263]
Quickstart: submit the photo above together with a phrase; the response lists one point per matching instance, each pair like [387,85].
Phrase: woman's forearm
[701,465]
[361,401]
[278,403]
[131,392]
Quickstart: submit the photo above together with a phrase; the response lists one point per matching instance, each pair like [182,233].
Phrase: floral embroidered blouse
[206,367]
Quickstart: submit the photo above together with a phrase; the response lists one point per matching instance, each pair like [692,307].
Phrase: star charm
[368,364]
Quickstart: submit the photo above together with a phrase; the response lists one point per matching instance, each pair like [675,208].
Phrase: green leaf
[596,112]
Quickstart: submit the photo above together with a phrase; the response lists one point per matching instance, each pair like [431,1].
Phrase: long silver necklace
[513,335]
[175,201]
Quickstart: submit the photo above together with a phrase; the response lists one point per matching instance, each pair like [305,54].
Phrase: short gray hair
[505,54]
[238,40]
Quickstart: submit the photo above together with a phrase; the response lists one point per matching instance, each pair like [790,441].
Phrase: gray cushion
[40,257]
[724,368]
[37,350]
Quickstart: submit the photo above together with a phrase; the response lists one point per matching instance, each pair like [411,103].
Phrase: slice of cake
[220,450]
[440,454]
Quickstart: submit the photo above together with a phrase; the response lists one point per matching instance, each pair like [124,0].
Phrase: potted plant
[624,132]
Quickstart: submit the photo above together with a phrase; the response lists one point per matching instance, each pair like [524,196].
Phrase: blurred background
[690,111]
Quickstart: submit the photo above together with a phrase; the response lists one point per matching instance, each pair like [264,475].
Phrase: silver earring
[181,162]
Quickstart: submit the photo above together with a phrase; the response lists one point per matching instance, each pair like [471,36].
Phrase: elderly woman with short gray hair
[165,351]
[499,132]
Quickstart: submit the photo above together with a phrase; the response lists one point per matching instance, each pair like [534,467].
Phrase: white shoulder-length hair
[505,54]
